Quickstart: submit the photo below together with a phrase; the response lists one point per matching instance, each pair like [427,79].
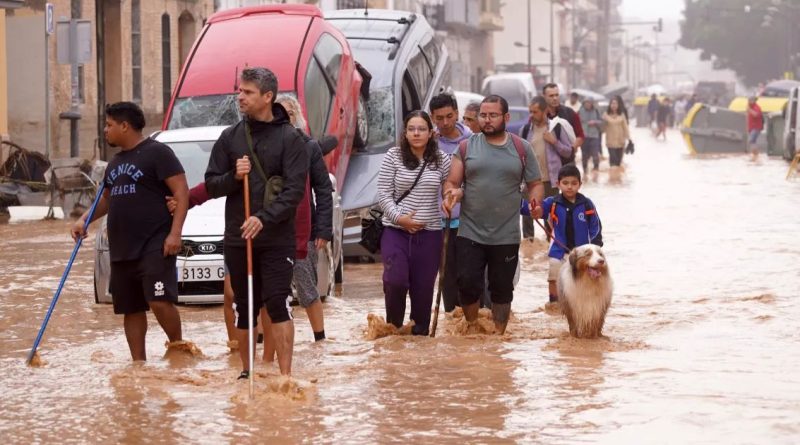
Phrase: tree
[753,38]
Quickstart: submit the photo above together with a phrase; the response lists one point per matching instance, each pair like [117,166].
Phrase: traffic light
[660,25]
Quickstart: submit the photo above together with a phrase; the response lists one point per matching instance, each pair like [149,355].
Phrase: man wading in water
[280,152]
[491,165]
[143,237]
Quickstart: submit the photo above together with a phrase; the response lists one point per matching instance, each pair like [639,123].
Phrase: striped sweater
[394,179]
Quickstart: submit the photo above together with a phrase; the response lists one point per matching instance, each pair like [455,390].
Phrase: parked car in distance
[519,116]
[517,88]
[408,65]
[200,266]
[310,57]
[464,98]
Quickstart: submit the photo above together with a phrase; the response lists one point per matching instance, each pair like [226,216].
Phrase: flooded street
[702,347]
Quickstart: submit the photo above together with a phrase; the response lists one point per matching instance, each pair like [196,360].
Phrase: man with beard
[279,151]
[485,176]
[143,238]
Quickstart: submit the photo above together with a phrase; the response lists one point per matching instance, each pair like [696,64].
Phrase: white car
[464,98]
[200,265]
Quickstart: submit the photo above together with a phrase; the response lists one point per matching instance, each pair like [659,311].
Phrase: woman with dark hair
[616,128]
[409,187]
[622,109]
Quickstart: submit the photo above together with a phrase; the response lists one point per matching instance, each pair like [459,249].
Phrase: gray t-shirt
[490,207]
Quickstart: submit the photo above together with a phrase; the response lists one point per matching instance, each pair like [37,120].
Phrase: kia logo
[206,248]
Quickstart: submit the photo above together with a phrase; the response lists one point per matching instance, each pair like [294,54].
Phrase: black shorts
[134,283]
[272,282]
[474,258]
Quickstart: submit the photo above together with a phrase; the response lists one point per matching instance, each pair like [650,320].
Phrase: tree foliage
[751,37]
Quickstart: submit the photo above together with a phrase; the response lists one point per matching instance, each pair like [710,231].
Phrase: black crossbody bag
[372,229]
[272,185]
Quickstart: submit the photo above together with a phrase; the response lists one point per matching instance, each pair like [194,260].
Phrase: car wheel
[362,124]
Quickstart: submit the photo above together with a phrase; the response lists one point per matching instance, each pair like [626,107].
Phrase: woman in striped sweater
[412,239]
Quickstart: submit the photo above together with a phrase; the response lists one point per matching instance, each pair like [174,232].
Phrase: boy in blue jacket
[574,222]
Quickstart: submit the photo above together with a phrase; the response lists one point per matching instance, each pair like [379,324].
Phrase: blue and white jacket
[574,224]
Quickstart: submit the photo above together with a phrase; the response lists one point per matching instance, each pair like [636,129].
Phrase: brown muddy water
[703,342]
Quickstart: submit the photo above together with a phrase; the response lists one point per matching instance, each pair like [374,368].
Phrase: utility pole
[603,43]
[572,74]
[530,68]
[552,54]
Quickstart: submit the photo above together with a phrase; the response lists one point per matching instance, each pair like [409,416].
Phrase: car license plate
[201,273]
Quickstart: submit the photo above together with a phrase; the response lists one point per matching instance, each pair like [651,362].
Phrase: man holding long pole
[267,149]
[143,237]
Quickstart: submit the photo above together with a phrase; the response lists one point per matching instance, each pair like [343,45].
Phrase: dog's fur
[584,291]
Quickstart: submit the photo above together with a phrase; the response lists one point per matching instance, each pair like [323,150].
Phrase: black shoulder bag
[272,185]
[372,228]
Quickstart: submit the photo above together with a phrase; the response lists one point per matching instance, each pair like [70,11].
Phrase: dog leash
[551,236]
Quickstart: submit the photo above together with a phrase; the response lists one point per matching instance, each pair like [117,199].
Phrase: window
[410,98]
[75,13]
[329,54]
[320,83]
[420,72]
[136,51]
[166,61]
[318,99]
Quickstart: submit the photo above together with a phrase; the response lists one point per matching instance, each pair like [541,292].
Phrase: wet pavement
[702,340]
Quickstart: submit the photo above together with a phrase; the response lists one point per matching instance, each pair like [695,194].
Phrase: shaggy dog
[584,291]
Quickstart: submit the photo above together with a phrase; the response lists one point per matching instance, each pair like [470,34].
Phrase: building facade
[138,47]
[572,42]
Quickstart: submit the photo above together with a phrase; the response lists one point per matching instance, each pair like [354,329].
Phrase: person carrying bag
[411,243]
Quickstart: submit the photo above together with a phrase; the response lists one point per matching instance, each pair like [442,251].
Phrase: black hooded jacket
[282,152]
[322,204]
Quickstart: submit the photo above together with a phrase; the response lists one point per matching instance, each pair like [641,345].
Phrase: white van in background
[517,88]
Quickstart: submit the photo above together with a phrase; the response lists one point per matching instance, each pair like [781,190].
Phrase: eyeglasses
[489,115]
[417,129]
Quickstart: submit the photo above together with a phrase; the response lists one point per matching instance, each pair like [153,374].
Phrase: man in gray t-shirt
[491,173]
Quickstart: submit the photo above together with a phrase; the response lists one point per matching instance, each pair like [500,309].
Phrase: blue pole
[66,273]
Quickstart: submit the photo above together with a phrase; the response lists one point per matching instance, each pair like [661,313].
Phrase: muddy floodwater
[703,342]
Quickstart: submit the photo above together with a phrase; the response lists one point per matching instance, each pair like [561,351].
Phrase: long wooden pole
[250,345]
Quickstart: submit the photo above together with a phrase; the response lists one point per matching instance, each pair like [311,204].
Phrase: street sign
[74,45]
[49,18]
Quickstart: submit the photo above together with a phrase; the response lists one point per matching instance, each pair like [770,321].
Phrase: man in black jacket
[280,151]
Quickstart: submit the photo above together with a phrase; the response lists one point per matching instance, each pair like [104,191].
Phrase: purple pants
[410,265]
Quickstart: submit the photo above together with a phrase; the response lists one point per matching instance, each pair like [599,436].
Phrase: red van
[310,57]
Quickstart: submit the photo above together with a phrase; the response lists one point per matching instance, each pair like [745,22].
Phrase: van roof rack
[393,40]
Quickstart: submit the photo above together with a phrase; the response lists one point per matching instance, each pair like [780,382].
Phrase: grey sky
[653,9]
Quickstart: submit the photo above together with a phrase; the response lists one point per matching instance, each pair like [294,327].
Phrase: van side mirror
[328,143]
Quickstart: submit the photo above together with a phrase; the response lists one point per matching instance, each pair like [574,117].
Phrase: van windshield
[207,111]
[380,110]
[204,111]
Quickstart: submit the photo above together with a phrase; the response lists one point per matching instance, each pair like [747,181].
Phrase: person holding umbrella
[264,142]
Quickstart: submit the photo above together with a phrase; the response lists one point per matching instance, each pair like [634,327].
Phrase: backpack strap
[526,129]
[523,157]
[462,151]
